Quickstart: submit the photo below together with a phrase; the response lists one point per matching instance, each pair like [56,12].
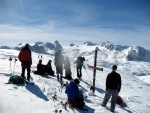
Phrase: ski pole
[14,65]
[40,57]
[73,71]
[10,59]
[88,76]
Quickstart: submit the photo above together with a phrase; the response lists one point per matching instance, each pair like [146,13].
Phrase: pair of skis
[84,110]
[64,106]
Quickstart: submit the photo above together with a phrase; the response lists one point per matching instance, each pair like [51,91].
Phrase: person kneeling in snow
[75,96]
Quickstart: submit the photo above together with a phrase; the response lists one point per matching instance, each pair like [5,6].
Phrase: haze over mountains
[132,52]
[108,54]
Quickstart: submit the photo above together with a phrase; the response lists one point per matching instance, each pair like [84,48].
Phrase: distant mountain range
[40,47]
[132,52]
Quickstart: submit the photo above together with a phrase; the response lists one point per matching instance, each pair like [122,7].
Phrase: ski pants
[59,69]
[28,72]
[108,94]
[79,71]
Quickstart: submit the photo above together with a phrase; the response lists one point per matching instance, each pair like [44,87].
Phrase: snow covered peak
[72,44]
[39,43]
[38,49]
[56,42]
[108,45]
[88,43]
[138,53]
[5,47]
[57,46]
[49,45]
[111,46]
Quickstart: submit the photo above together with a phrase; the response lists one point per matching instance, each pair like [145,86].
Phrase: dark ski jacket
[73,92]
[25,57]
[67,65]
[41,69]
[59,59]
[113,81]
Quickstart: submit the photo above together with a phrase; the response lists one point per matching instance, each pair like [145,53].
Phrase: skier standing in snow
[67,69]
[113,87]
[79,64]
[26,61]
[75,96]
[59,60]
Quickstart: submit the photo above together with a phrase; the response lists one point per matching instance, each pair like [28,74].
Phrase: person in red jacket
[26,61]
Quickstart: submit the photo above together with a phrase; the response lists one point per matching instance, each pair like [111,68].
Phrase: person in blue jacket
[75,96]
[79,64]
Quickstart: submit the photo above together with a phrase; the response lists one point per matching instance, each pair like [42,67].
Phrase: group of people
[59,61]
[44,69]
[74,94]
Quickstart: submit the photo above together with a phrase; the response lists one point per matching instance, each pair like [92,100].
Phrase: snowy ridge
[38,98]
[57,46]
[88,43]
[112,46]
[40,47]
[138,53]
[107,58]
[5,47]
[132,52]
[108,54]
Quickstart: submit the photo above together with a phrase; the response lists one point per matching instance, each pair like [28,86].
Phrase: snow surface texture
[38,98]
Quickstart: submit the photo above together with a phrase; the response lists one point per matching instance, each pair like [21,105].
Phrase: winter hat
[114,67]
[76,81]
[27,45]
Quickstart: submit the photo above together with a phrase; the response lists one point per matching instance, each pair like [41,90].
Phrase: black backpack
[15,79]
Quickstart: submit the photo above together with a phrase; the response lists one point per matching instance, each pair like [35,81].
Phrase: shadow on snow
[36,91]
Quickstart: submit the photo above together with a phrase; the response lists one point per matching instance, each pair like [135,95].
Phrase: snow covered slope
[38,98]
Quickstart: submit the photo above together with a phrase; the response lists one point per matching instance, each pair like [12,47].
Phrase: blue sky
[124,22]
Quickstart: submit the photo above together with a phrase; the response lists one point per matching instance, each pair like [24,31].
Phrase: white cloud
[50,32]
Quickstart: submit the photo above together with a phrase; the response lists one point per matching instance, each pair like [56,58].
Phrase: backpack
[83,59]
[119,100]
[15,79]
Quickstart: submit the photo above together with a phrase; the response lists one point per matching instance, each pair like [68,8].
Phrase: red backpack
[83,59]
[119,100]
